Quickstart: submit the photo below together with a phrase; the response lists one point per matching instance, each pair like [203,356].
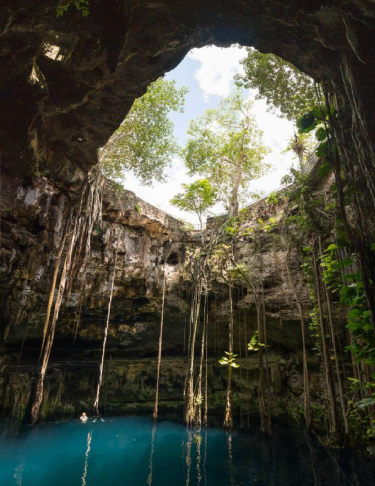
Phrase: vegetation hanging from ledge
[76,243]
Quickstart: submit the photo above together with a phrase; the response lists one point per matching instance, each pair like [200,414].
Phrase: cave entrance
[210,75]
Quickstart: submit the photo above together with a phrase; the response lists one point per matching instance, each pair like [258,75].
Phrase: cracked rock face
[65,85]
[147,241]
[67,82]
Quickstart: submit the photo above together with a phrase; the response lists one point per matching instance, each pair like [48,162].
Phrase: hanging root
[53,286]
[228,419]
[306,387]
[96,403]
[155,414]
[190,395]
[81,231]
[51,330]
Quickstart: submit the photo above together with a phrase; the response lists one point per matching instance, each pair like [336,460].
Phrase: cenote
[187,242]
[133,451]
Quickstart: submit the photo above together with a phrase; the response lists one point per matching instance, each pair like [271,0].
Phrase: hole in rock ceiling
[209,75]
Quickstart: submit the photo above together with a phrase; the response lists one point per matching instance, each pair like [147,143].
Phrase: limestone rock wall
[65,85]
[67,82]
[147,241]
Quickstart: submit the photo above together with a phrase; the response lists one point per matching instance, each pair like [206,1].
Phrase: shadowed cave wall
[66,85]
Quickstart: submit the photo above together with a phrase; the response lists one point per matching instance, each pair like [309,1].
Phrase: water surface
[130,451]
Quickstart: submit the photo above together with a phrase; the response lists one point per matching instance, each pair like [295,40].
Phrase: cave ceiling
[67,82]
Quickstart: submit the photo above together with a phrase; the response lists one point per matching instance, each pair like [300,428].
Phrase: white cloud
[276,134]
[218,66]
[215,77]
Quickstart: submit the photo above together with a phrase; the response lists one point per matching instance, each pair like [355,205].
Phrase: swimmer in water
[83,418]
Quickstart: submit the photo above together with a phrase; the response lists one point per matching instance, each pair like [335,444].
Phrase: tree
[198,197]
[81,5]
[302,145]
[144,142]
[281,84]
[225,145]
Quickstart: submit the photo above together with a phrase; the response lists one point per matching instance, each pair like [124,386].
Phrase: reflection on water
[18,474]
[134,451]
[89,435]
[149,479]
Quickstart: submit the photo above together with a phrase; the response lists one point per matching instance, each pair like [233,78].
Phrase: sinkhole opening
[214,136]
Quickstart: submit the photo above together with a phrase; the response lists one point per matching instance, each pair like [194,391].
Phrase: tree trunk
[233,202]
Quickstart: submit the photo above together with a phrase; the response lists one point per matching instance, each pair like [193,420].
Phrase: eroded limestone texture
[68,82]
[144,237]
[66,85]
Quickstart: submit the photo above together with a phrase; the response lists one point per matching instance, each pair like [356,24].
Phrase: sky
[208,73]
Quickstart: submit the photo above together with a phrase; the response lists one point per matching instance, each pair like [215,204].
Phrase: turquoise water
[129,451]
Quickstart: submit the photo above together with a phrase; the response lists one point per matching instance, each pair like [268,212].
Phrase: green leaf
[355,313]
[354,326]
[321,134]
[366,402]
[322,150]
[324,169]
[331,247]
[306,123]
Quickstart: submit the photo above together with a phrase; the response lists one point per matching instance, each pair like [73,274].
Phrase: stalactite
[22,345]
[155,414]
[96,403]
[306,386]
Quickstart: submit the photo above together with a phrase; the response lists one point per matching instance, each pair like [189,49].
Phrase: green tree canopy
[225,145]
[280,83]
[198,197]
[144,142]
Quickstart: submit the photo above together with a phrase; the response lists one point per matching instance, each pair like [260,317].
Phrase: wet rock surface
[147,241]
[68,82]
[66,85]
